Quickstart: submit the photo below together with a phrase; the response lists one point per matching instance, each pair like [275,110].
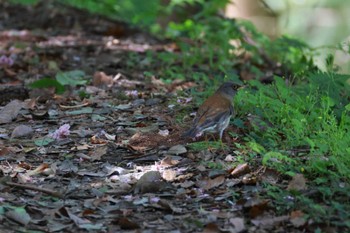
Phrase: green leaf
[256,147]
[43,141]
[48,82]
[71,78]
[19,215]
[347,107]
[96,117]
[277,156]
[86,110]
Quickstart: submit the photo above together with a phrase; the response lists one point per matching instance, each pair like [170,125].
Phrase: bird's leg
[207,141]
[221,143]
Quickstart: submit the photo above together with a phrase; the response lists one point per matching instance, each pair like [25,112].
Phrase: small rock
[177,150]
[21,131]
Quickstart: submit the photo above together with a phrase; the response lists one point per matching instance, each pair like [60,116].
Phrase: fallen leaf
[168,161]
[38,170]
[210,183]
[268,221]
[169,175]
[86,110]
[148,129]
[19,215]
[255,206]
[43,141]
[126,224]
[10,111]
[24,178]
[168,206]
[187,184]
[240,170]
[100,79]
[297,183]
[211,228]
[297,218]
[98,153]
[270,176]
[238,223]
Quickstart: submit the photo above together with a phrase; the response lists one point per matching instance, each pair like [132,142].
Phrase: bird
[215,113]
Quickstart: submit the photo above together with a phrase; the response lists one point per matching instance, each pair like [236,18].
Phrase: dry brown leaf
[255,206]
[297,183]
[169,175]
[102,80]
[211,228]
[7,151]
[210,183]
[127,224]
[297,218]
[187,184]
[137,148]
[240,170]
[168,206]
[98,153]
[168,161]
[40,169]
[96,140]
[30,104]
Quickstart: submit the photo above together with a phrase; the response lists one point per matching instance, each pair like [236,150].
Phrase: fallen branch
[35,188]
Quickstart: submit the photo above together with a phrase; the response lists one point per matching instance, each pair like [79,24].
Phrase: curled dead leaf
[240,170]
[101,79]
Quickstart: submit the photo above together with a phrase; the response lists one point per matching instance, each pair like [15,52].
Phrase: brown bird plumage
[215,113]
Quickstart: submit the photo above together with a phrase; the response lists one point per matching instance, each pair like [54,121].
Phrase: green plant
[200,146]
[62,79]
[303,116]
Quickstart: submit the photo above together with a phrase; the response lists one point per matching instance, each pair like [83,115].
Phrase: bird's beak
[241,87]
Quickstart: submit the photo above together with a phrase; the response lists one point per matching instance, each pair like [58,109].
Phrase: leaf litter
[107,156]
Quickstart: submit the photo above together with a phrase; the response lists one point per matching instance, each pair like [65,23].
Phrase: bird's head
[229,89]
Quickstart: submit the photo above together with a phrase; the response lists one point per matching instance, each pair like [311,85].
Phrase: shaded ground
[116,162]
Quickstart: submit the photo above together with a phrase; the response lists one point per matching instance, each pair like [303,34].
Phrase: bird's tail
[191,133]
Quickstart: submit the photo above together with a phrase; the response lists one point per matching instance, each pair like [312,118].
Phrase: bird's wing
[212,111]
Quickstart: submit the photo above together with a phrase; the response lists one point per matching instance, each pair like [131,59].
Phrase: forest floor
[106,155]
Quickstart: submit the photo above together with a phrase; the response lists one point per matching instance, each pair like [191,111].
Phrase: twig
[35,188]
